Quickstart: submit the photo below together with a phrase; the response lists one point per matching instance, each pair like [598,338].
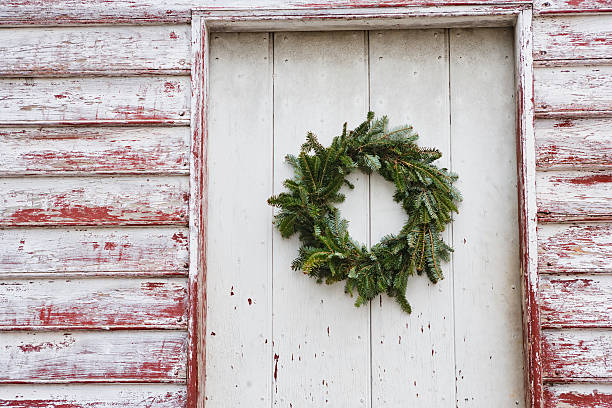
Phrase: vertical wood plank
[485,237]
[412,355]
[239,261]
[321,341]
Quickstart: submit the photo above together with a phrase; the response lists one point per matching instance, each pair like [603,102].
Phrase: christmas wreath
[327,252]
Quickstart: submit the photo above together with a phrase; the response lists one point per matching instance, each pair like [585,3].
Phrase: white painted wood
[128,200]
[321,341]
[94,396]
[58,51]
[94,99]
[239,261]
[486,264]
[121,356]
[93,250]
[87,150]
[412,355]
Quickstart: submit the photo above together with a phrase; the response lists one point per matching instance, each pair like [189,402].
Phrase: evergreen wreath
[327,252]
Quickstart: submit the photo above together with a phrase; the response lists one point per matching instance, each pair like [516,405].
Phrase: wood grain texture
[572,6]
[576,301]
[574,248]
[574,196]
[93,250]
[578,396]
[94,150]
[35,201]
[95,50]
[405,372]
[577,355]
[93,396]
[94,99]
[239,276]
[122,356]
[571,89]
[93,303]
[563,144]
[572,37]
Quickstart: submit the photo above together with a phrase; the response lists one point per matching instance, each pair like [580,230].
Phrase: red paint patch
[275,366]
[60,96]
[109,246]
[173,35]
[179,237]
[592,179]
[250,301]
[565,123]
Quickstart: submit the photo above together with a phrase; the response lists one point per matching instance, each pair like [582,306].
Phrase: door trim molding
[517,14]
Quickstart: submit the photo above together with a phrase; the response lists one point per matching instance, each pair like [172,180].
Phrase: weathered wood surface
[572,6]
[577,355]
[20,12]
[89,150]
[93,303]
[570,89]
[239,276]
[94,99]
[35,201]
[576,301]
[93,396]
[323,359]
[575,248]
[578,396]
[563,144]
[53,251]
[402,344]
[122,356]
[572,37]
[95,50]
[574,196]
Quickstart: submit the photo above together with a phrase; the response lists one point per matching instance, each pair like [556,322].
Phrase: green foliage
[328,253]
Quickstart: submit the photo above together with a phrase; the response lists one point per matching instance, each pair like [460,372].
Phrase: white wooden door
[275,337]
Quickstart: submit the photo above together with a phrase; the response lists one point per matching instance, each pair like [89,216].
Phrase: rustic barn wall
[94,142]
[108,104]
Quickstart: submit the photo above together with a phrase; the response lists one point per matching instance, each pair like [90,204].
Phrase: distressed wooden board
[93,250]
[572,37]
[486,261]
[574,143]
[19,12]
[93,303]
[574,195]
[62,51]
[405,371]
[577,355]
[35,201]
[578,396]
[93,396]
[573,89]
[321,341]
[239,264]
[572,6]
[575,248]
[94,99]
[123,356]
[576,301]
[87,150]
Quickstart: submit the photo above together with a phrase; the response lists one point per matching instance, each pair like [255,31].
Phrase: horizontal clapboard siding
[563,144]
[571,7]
[95,99]
[578,396]
[574,248]
[574,196]
[120,356]
[93,303]
[58,250]
[573,90]
[576,301]
[93,396]
[35,201]
[572,37]
[94,150]
[577,355]
[110,50]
